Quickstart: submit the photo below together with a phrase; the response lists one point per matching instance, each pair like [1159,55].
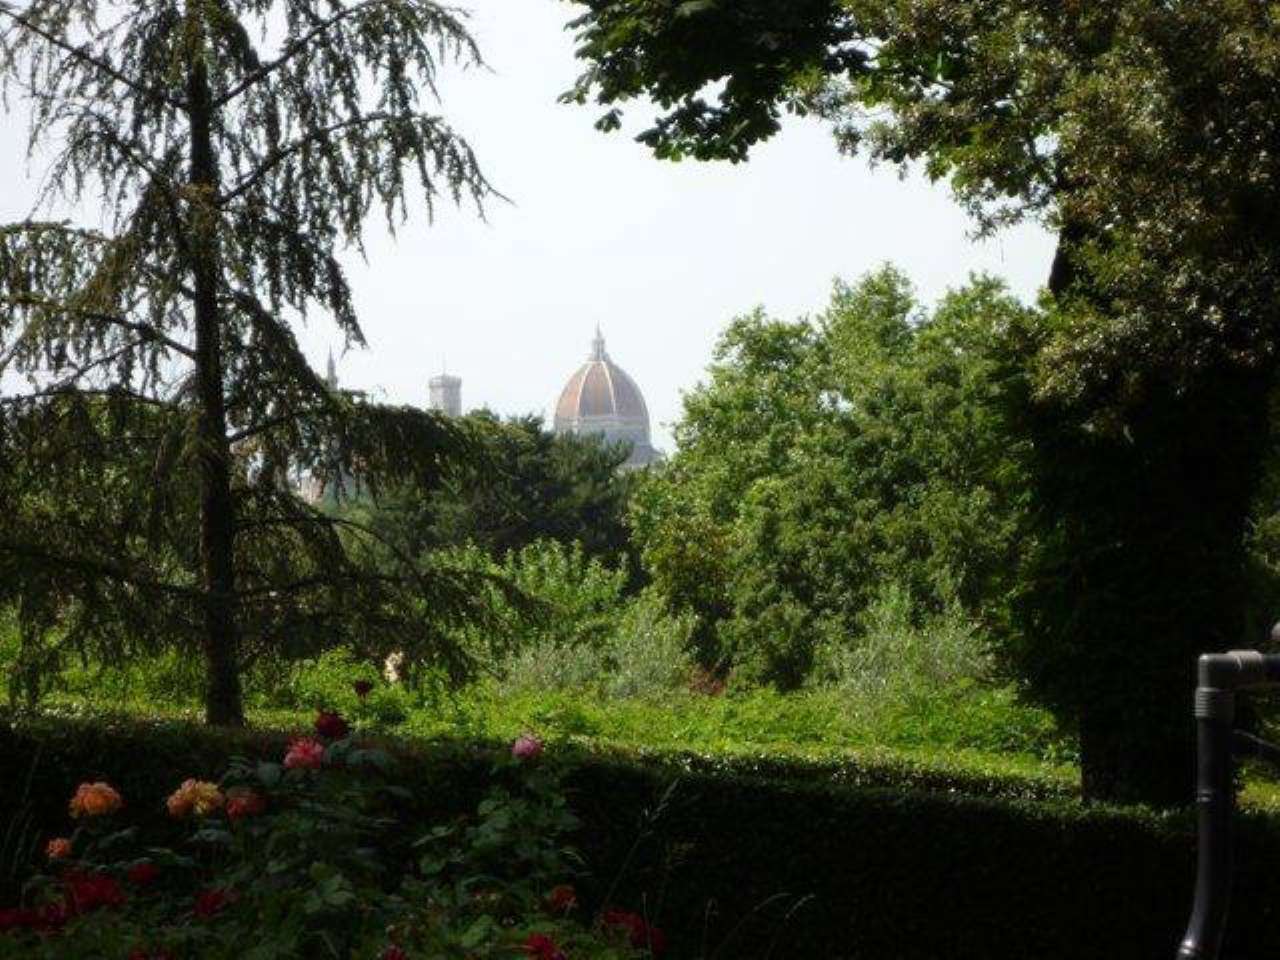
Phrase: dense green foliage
[830,465]
[588,631]
[874,873]
[525,484]
[1144,133]
[147,497]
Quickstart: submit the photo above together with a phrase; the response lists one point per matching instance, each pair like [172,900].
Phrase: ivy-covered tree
[235,148]
[1144,133]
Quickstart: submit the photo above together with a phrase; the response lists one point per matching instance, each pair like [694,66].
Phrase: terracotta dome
[600,398]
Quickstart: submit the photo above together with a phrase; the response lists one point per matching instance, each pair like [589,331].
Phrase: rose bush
[313,855]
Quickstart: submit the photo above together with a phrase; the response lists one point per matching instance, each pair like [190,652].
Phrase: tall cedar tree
[1146,134]
[152,457]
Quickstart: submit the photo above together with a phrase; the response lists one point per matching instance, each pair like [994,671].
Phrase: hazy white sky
[660,255]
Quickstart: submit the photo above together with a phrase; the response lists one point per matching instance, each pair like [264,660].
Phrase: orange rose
[95,800]
[195,796]
[59,848]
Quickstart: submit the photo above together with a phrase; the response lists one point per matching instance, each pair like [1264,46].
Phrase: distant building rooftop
[601,398]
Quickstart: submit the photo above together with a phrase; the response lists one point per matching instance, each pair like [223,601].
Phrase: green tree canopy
[527,485]
[1144,133]
[824,460]
[234,148]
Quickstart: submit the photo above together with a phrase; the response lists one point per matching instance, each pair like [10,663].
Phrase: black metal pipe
[1219,677]
[1214,801]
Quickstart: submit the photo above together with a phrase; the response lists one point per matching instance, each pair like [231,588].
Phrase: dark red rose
[654,939]
[142,874]
[331,726]
[86,892]
[363,688]
[562,899]
[639,932]
[541,947]
[614,917]
[16,918]
[211,902]
[393,952]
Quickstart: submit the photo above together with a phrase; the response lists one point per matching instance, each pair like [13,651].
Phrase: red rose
[87,892]
[654,939]
[393,952]
[639,932]
[562,899]
[16,918]
[211,902]
[363,688]
[541,947]
[242,802]
[331,726]
[142,874]
[621,918]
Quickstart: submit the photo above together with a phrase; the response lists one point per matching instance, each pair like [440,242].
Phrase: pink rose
[304,754]
[526,747]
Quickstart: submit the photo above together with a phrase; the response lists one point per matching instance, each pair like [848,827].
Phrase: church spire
[331,373]
[597,345]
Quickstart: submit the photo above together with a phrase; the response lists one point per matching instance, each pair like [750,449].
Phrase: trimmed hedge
[754,863]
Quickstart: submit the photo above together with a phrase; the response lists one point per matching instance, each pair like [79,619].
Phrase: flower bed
[313,855]
[742,858]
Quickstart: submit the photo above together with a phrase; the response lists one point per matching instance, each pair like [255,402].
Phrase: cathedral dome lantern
[601,398]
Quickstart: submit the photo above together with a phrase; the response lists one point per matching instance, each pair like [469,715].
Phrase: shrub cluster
[593,632]
[312,851]
[763,858]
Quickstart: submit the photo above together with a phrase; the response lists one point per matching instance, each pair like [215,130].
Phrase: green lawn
[978,739]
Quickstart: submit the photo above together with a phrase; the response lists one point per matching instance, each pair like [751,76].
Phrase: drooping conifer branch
[167,382]
[98,62]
